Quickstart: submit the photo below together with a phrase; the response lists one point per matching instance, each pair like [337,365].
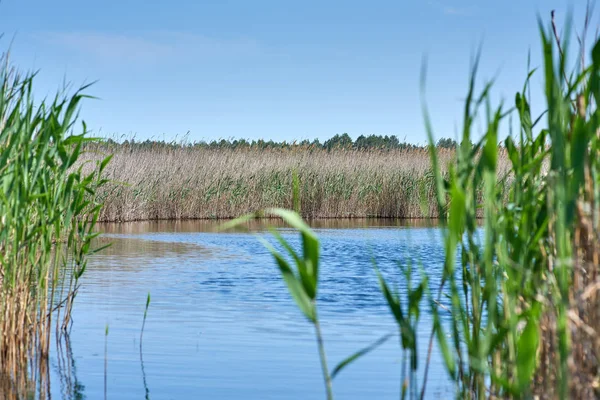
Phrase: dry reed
[198,183]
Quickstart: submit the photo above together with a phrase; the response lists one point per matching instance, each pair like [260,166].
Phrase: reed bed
[178,182]
[47,218]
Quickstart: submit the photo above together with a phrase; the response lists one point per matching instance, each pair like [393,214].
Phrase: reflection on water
[221,324]
[66,370]
[260,224]
[57,380]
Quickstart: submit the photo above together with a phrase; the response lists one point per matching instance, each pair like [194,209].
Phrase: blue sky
[273,69]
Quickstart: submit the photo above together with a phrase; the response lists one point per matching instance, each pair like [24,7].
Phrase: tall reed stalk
[47,218]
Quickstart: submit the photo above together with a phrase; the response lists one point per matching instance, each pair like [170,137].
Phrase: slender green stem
[106,362]
[146,390]
[403,383]
[430,346]
[326,376]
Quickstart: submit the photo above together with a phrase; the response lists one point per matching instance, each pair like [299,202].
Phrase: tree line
[339,141]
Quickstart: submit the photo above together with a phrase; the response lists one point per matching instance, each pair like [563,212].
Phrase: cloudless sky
[274,69]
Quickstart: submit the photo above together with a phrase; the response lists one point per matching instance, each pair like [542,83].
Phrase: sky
[274,69]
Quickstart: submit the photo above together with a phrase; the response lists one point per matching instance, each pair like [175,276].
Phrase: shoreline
[260,224]
[225,219]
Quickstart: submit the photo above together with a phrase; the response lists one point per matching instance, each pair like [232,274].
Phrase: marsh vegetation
[514,309]
[48,212]
[155,181]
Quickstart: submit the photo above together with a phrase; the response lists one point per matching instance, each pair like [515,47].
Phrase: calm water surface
[221,324]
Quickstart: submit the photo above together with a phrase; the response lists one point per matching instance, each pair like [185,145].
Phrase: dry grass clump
[201,183]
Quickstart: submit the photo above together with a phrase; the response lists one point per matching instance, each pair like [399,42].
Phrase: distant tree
[361,142]
[393,141]
[446,143]
[378,142]
[339,141]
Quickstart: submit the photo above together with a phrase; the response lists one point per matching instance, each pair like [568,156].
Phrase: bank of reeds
[179,182]
[47,218]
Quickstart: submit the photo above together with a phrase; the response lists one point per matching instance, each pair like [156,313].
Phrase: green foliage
[295,191]
[407,320]
[349,360]
[48,214]
[446,143]
[520,267]
[343,141]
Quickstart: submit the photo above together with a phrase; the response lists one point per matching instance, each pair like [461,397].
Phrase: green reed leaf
[366,350]
[310,245]
[294,284]
[527,347]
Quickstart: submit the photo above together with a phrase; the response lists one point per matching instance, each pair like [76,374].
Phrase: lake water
[221,324]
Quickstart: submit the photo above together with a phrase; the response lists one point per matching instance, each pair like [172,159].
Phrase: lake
[221,324]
